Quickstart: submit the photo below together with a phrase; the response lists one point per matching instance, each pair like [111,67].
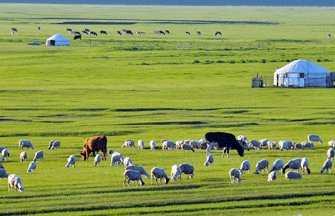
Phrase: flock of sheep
[134,173]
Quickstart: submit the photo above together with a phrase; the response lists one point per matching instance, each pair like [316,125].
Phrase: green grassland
[162,87]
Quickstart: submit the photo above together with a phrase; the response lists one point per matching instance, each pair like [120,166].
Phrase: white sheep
[292,164]
[3,174]
[179,144]
[152,144]
[187,169]
[283,145]
[110,152]
[292,175]
[244,142]
[159,173]
[208,150]
[330,154]
[71,161]
[272,144]
[32,167]
[15,181]
[304,166]
[176,173]
[331,144]
[25,143]
[168,144]
[5,154]
[23,156]
[127,162]
[132,175]
[54,144]
[209,161]
[234,174]
[264,143]
[128,144]
[97,159]
[290,145]
[245,166]
[140,144]
[308,145]
[314,138]
[277,165]
[139,169]
[272,176]
[255,144]
[116,159]
[261,165]
[39,155]
[298,146]
[187,147]
[214,145]
[195,144]
[202,144]
[327,165]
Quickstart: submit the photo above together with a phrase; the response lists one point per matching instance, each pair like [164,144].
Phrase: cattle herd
[214,140]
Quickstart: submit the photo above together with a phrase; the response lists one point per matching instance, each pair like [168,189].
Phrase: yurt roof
[302,66]
[58,37]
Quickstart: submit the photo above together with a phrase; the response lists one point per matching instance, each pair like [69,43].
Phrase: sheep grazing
[128,143]
[214,145]
[140,144]
[71,161]
[298,146]
[127,162]
[15,181]
[159,173]
[25,143]
[23,156]
[54,144]
[32,167]
[139,169]
[187,169]
[308,145]
[208,150]
[264,143]
[168,144]
[210,160]
[261,165]
[176,173]
[97,160]
[202,144]
[283,145]
[187,147]
[195,144]
[272,176]
[314,138]
[330,154]
[110,152]
[152,144]
[5,154]
[304,166]
[254,144]
[292,175]
[271,145]
[331,144]
[292,164]
[1,166]
[179,144]
[245,142]
[245,166]
[327,165]
[277,165]
[116,159]
[234,174]
[1,148]
[39,155]
[132,175]
[3,174]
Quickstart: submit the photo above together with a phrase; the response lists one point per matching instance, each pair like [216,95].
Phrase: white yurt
[58,40]
[302,73]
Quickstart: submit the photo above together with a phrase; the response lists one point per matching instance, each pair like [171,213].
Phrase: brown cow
[94,144]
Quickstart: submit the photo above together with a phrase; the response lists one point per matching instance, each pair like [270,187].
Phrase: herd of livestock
[214,140]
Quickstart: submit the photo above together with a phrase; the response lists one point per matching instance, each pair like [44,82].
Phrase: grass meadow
[155,87]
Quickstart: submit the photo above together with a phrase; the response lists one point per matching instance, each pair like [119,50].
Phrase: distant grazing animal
[292,164]
[87,30]
[277,165]
[72,32]
[292,175]
[245,166]
[97,160]
[314,138]
[330,153]
[39,155]
[327,165]
[234,174]
[14,29]
[188,33]
[331,144]
[128,143]
[168,144]
[38,28]
[264,143]
[110,152]
[94,144]
[139,169]
[25,143]
[308,145]
[187,169]
[167,32]
[176,173]
[84,32]
[3,174]
[76,37]
[12,32]
[261,165]
[119,33]
[32,167]
[71,161]
[93,33]
[138,33]
[16,182]
[198,33]
[23,156]
[272,144]
[116,159]
[159,32]
[103,32]
[128,32]
[127,162]
[159,173]
[304,166]
[5,154]
[54,144]
[254,144]
[140,144]
[272,176]
[329,36]
[225,140]
[217,33]
[187,147]
[132,175]
[244,141]
[77,33]
[152,144]
[209,161]
[68,29]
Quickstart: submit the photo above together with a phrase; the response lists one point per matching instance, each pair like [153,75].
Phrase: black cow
[188,33]
[167,31]
[226,141]
[198,33]
[103,32]
[14,29]
[68,29]
[93,33]
[77,37]
[119,33]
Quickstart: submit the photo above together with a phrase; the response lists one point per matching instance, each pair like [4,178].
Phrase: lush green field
[158,87]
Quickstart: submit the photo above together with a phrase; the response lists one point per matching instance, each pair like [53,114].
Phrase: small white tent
[302,73]
[58,40]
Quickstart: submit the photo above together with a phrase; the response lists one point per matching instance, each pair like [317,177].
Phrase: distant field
[172,86]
